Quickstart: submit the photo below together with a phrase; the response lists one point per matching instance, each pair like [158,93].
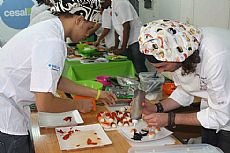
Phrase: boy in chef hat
[197,59]
[31,66]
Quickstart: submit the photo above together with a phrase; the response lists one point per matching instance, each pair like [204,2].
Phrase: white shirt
[40,13]
[107,23]
[32,61]
[211,81]
[123,11]
[99,30]
[1,42]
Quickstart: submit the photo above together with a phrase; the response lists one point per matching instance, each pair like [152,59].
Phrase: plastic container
[86,98]
[81,46]
[151,82]
[86,49]
[91,84]
[168,87]
[103,80]
[190,148]
[136,105]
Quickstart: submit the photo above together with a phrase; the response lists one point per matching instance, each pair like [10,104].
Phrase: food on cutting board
[115,119]
[101,49]
[74,56]
[79,138]
[116,57]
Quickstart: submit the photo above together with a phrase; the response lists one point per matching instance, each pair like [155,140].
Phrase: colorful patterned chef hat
[168,40]
[90,9]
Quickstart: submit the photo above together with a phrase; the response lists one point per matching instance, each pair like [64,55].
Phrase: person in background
[95,30]
[108,30]
[40,12]
[127,26]
[32,73]
[197,59]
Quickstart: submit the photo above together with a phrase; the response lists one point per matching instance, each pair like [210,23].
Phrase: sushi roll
[151,134]
[134,122]
[124,120]
[126,123]
[157,129]
[132,131]
[122,109]
[108,115]
[120,123]
[120,114]
[113,125]
[111,120]
[106,125]
[102,120]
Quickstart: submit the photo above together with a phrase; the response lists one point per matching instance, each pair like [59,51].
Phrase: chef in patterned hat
[198,61]
[31,66]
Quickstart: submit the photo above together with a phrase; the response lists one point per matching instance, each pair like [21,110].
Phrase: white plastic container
[151,81]
[190,148]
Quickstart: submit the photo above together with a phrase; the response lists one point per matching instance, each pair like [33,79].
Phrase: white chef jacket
[107,23]
[32,61]
[123,11]
[40,13]
[211,81]
[100,30]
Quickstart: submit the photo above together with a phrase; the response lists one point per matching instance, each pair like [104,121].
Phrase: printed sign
[16,14]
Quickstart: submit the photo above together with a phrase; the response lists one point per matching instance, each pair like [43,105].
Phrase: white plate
[140,125]
[57,119]
[74,59]
[80,136]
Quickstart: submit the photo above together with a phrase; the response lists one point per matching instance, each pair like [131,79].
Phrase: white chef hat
[90,9]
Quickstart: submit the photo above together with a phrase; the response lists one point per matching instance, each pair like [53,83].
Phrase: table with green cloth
[74,70]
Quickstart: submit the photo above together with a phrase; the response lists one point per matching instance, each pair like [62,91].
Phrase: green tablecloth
[74,70]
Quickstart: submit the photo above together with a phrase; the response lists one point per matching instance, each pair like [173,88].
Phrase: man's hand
[96,43]
[84,106]
[108,98]
[70,51]
[156,119]
[118,51]
[148,108]
[111,49]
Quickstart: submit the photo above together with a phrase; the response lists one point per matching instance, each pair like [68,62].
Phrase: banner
[15,16]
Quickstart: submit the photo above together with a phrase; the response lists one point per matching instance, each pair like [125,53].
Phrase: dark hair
[190,64]
[46,2]
[40,2]
[152,59]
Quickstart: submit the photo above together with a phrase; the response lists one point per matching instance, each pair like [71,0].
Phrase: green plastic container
[86,49]
[91,84]
[81,46]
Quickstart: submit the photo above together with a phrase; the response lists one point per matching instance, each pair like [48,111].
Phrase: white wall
[197,12]
[147,15]
[186,12]
[216,13]
[161,9]
[169,9]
